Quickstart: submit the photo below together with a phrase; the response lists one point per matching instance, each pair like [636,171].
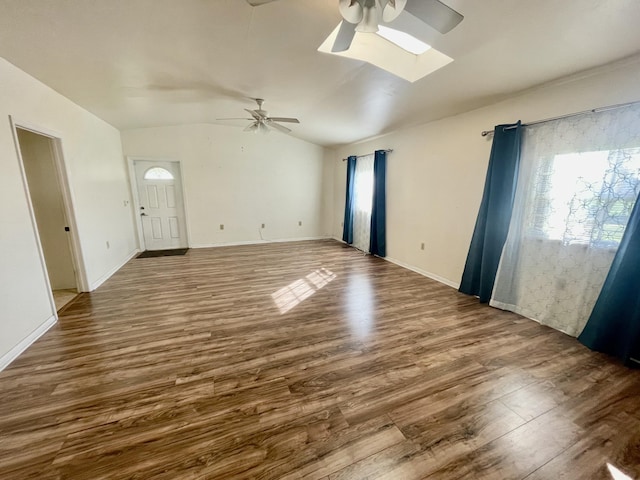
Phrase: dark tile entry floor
[162,253]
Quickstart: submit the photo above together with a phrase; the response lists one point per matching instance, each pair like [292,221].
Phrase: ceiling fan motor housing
[367,14]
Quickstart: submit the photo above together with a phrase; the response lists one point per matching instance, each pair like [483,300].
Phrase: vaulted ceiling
[141,63]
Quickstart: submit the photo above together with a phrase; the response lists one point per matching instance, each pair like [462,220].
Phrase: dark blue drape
[614,324]
[494,216]
[378,242]
[349,204]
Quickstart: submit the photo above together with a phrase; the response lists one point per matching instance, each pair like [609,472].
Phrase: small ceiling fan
[366,15]
[262,122]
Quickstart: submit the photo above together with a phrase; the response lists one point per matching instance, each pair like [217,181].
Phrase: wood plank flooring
[308,360]
[62,297]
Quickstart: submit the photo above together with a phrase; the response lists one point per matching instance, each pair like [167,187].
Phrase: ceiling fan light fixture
[351,11]
[392,10]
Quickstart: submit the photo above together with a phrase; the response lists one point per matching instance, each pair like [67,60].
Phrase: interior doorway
[160,204]
[47,191]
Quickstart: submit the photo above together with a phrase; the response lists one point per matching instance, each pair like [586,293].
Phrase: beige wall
[99,189]
[46,199]
[240,180]
[437,170]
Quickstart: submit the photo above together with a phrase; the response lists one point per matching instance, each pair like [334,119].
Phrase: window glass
[585,198]
[158,173]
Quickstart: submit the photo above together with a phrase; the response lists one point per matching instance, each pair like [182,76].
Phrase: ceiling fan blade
[284,119]
[256,3]
[278,127]
[251,128]
[254,114]
[434,13]
[219,119]
[345,37]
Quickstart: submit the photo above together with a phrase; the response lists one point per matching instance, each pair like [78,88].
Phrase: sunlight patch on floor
[288,297]
[616,474]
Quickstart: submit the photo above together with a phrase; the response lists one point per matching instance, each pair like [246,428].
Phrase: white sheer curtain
[578,180]
[363,194]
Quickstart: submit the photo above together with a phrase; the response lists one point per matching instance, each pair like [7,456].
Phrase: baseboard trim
[15,352]
[424,273]
[107,276]
[258,242]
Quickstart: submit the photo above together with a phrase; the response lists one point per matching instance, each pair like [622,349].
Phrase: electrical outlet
[422,246]
[221,226]
[300,223]
[108,245]
[263,225]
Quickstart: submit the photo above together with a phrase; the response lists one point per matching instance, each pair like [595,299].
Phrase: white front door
[161,204]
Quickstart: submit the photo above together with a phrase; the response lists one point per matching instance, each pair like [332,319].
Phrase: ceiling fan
[366,15]
[262,122]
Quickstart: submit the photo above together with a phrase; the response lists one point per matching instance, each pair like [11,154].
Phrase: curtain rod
[569,115]
[388,150]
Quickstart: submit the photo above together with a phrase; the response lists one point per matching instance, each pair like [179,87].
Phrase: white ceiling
[139,63]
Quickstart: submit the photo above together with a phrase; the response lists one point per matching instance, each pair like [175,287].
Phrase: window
[363,199]
[585,198]
[578,180]
[158,173]
[364,187]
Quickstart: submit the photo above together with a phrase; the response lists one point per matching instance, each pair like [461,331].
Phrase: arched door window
[158,173]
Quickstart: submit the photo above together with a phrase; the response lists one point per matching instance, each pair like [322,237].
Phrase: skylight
[403,40]
[393,51]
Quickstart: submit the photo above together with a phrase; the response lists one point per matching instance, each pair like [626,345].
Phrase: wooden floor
[308,360]
[62,297]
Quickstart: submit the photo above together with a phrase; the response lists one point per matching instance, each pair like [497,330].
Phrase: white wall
[48,207]
[98,181]
[328,185]
[240,180]
[436,172]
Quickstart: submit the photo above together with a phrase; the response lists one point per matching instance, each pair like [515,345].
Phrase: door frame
[68,202]
[133,185]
